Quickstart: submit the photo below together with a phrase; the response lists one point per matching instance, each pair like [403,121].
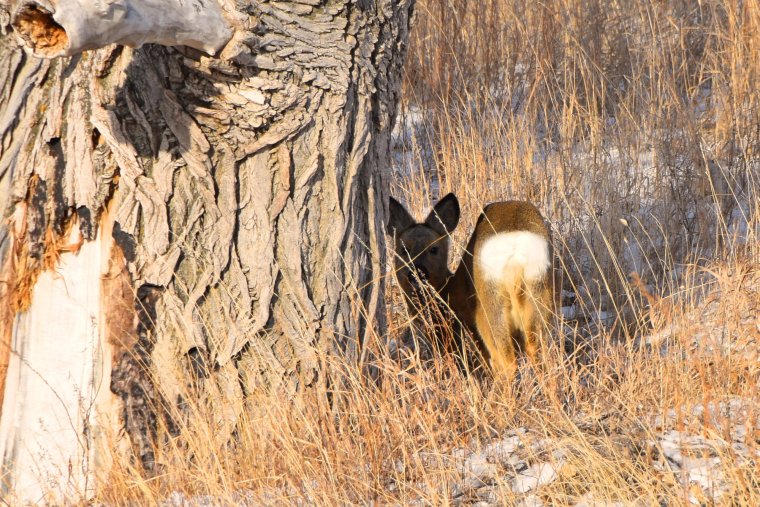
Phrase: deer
[502,289]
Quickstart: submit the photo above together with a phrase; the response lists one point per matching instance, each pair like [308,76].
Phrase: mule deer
[501,291]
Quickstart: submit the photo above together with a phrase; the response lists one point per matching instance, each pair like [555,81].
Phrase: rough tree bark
[173,213]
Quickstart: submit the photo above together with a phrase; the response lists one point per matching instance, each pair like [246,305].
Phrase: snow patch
[538,474]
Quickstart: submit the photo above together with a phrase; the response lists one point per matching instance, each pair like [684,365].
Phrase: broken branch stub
[54,28]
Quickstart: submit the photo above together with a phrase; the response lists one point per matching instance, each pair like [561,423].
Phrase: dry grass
[636,129]
[400,442]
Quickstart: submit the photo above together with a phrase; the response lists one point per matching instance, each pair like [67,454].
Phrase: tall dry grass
[401,442]
[635,127]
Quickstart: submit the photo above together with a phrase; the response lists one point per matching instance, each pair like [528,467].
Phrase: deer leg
[495,332]
[534,319]
[531,328]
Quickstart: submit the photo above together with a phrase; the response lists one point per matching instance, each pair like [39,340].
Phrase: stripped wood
[58,409]
[53,28]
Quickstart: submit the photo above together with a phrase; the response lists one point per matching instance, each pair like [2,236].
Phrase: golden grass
[636,129]
[397,442]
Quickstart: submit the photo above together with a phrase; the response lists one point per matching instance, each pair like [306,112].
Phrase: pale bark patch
[57,406]
[66,27]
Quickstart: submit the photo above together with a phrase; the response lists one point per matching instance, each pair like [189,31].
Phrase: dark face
[422,255]
[422,249]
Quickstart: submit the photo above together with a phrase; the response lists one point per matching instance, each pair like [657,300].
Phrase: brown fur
[504,316]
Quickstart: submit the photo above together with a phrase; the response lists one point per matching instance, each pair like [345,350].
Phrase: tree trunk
[172,214]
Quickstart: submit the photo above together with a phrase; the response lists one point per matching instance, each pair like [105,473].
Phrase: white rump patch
[516,249]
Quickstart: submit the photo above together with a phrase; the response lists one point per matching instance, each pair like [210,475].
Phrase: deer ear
[445,215]
[399,219]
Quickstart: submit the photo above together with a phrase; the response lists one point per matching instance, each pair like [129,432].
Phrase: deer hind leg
[525,317]
[494,329]
[532,316]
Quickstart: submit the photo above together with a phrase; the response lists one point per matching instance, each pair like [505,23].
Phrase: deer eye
[433,250]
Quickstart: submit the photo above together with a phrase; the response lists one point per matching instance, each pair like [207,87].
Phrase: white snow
[538,474]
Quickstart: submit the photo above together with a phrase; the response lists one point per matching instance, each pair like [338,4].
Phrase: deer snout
[418,274]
